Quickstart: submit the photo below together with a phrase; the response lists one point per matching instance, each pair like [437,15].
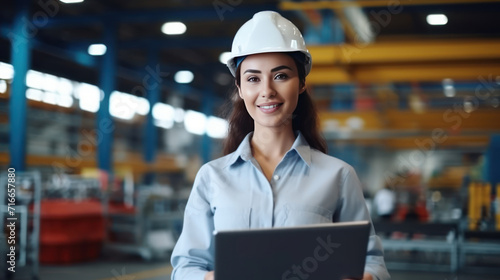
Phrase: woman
[276,171]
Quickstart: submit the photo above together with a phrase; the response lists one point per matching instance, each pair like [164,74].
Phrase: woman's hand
[366,276]
[210,275]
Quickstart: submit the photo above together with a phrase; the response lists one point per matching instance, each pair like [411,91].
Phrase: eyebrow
[272,70]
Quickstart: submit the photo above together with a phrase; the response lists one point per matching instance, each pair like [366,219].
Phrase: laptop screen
[322,251]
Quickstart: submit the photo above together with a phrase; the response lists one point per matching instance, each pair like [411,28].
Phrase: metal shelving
[151,229]
[28,196]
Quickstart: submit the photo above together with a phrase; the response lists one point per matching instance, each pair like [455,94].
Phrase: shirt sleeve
[192,256]
[353,208]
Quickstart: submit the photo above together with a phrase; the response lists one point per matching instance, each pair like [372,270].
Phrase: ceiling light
[90,97]
[163,115]
[195,122]
[184,77]
[50,83]
[173,28]
[142,106]
[355,123]
[224,57]
[35,79]
[34,94]
[6,71]
[217,127]
[3,86]
[163,124]
[448,88]
[162,111]
[179,115]
[97,49]
[437,19]
[50,98]
[65,101]
[71,1]
[122,105]
[65,87]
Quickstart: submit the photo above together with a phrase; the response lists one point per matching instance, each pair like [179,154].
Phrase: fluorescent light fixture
[195,122]
[76,92]
[90,97]
[162,111]
[437,19]
[173,28]
[217,127]
[355,123]
[224,57]
[35,79]
[184,77]
[448,88]
[34,94]
[65,101]
[50,83]
[122,105]
[97,49]
[3,86]
[163,115]
[6,71]
[179,115]
[142,106]
[71,1]
[164,124]
[469,106]
[50,97]
[65,87]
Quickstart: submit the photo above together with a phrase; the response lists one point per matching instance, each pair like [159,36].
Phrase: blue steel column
[20,56]
[153,87]
[206,143]
[493,160]
[107,85]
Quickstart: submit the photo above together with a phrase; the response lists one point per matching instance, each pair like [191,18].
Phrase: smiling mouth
[269,106]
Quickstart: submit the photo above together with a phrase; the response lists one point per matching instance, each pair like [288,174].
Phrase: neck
[272,143]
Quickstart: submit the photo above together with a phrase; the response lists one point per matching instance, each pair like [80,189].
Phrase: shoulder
[217,165]
[322,160]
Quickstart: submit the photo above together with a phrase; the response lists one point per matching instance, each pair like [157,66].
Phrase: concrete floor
[134,268]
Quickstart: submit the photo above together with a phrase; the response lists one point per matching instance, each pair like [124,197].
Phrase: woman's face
[270,88]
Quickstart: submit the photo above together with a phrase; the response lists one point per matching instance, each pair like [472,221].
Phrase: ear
[302,87]
[239,89]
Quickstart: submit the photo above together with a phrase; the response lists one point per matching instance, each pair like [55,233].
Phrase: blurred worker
[410,199]
[276,171]
[384,203]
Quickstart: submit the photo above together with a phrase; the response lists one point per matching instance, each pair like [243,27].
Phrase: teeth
[269,107]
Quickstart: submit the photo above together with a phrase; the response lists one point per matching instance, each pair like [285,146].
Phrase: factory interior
[109,108]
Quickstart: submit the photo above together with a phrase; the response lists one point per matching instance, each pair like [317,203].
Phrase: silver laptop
[313,252]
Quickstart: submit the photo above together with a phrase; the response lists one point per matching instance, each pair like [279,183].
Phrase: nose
[268,90]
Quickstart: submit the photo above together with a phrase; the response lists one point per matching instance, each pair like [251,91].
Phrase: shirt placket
[263,200]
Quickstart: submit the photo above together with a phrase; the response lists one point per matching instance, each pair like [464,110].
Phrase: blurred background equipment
[24,212]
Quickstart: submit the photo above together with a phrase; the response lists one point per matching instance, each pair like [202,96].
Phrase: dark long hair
[304,119]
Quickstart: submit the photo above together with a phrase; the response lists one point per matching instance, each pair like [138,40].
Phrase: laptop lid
[313,252]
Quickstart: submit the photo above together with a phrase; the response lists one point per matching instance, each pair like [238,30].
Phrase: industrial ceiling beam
[409,123]
[380,73]
[405,61]
[174,43]
[406,51]
[199,14]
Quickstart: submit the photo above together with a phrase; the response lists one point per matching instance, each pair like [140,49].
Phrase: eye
[252,79]
[280,76]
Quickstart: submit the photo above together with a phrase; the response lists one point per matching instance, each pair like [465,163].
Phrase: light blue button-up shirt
[307,187]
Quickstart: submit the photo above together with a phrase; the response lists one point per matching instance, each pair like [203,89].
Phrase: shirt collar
[244,151]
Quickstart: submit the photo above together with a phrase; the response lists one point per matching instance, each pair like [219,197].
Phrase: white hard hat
[267,32]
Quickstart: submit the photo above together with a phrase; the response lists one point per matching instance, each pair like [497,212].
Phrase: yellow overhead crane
[397,60]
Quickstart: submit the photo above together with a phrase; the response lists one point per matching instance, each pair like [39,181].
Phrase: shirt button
[276,177]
